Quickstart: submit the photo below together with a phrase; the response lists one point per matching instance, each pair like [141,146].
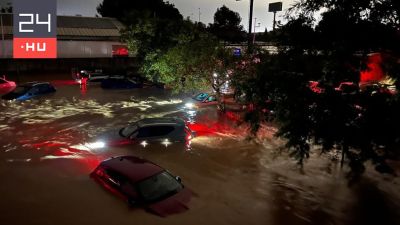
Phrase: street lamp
[254,32]
[249,38]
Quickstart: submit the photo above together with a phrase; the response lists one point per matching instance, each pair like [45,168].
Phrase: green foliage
[363,126]
[190,64]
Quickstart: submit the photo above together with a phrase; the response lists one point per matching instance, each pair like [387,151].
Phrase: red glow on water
[116,143]
[58,150]
[90,162]
[225,124]
[234,116]
[203,129]
[64,82]
[374,71]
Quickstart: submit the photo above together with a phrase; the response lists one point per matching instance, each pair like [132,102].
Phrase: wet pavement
[45,166]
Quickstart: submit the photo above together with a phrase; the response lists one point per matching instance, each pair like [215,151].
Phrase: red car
[6,85]
[143,183]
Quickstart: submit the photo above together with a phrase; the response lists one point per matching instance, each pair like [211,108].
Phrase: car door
[114,178]
[33,91]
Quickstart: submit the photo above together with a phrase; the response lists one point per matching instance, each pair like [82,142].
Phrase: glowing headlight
[189,105]
[96,145]
[144,144]
[166,142]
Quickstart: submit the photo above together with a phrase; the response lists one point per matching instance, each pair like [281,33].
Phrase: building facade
[81,41]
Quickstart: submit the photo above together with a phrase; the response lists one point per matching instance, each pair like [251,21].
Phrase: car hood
[172,205]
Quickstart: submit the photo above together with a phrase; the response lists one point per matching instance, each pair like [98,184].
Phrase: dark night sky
[189,8]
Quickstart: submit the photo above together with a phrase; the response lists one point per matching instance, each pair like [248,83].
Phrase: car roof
[34,83]
[160,121]
[133,168]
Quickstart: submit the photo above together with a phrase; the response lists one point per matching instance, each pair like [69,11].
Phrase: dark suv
[164,131]
[157,129]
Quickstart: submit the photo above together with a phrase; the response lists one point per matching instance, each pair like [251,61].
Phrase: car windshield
[201,96]
[158,187]
[125,132]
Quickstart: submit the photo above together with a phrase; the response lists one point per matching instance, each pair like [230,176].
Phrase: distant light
[96,145]
[144,144]
[215,75]
[189,105]
[192,113]
[166,142]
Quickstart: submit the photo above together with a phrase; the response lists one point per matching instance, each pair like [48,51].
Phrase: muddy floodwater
[44,168]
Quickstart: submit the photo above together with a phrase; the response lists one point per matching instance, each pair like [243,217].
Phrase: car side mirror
[179,179]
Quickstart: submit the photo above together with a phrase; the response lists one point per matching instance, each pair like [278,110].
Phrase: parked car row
[113,81]
[29,90]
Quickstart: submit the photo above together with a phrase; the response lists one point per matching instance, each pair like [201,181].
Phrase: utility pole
[199,15]
[2,37]
[249,36]
[249,41]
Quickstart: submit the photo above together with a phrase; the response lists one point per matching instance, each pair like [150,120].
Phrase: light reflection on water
[236,181]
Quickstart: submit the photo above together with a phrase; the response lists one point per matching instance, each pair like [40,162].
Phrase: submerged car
[164,131]
[142,183]
[120,83]
[6,86]
[97,77]
[29,90]
[6,83]
[204,100]
[201,97]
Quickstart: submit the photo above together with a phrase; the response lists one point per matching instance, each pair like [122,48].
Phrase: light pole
[249,37]
[199,15]
[254,31]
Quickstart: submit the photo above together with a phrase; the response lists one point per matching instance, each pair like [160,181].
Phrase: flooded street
[45,166]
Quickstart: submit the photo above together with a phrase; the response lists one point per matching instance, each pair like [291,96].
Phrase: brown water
[44,172]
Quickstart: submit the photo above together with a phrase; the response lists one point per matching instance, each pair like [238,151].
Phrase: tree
[191,64]
[362,126]
[227,26]
[149,25]
[6,9]
[149,35]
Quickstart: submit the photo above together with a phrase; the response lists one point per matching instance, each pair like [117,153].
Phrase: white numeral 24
[31,22]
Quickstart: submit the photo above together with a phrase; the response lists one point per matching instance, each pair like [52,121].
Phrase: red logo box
[27,48]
